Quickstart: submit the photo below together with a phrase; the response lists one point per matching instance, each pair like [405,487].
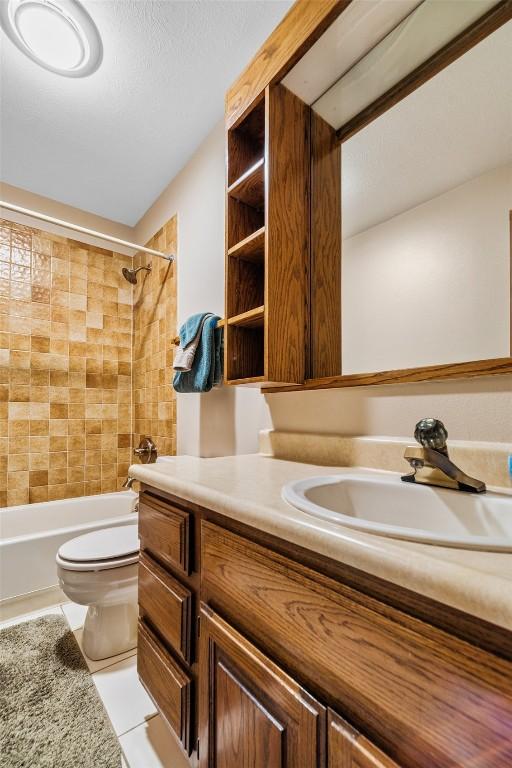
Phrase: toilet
[99,569]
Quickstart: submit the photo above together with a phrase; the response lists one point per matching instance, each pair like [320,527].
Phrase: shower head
[131,274]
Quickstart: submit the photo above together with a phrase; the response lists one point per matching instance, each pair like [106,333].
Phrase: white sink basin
[381,503]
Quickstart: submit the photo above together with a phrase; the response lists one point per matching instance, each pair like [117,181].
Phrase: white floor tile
[123,696]
[54,610]
[152,745]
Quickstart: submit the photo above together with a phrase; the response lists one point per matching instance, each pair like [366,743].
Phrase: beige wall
[472,409]
[227,421]
[432,284]
[224,421]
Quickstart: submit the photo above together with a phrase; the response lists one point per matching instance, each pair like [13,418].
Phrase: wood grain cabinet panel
[252,714]
[429,699]
[167,684]
[165,604]
[164,531]
[346,748]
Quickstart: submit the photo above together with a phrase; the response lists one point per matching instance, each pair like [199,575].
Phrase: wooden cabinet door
[346,748]
[252,714]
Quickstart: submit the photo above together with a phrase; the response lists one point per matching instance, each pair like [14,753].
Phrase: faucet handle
[431,433]
[146,451]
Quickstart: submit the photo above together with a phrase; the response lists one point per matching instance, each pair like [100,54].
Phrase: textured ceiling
[110,143]
[455,127]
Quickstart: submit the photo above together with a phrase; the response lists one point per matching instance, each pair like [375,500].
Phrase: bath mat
[50,713]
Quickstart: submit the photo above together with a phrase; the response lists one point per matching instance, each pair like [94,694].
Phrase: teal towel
[218,375]
[190,327]
[207,367]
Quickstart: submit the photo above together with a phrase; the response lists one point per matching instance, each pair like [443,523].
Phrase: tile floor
[145,739]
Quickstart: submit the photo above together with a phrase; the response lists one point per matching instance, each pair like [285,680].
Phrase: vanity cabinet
[293,660]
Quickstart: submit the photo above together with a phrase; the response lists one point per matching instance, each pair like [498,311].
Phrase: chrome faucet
[128,483]
[430,462]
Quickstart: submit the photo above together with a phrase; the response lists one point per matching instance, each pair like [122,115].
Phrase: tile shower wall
[154,324]
[65,367]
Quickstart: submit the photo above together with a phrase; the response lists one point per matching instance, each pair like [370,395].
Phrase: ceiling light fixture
[59,35]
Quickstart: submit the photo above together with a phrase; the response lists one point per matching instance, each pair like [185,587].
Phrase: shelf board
[251,248]
[254,318]
[254,381]
[250,187]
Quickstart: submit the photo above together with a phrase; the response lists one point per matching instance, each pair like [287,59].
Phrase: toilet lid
[105,544]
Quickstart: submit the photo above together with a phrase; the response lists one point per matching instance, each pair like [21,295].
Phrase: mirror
[425,186]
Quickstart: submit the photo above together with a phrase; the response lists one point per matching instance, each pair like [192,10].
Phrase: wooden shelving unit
[267,241]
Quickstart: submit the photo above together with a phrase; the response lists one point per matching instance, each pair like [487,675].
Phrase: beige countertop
[248,489]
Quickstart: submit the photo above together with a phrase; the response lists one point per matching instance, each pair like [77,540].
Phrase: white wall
[432,284]
[227,421]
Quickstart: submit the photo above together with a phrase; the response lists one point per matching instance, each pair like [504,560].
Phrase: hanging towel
[206,367]
[190,334]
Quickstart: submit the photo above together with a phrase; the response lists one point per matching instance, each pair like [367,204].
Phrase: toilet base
[110,630]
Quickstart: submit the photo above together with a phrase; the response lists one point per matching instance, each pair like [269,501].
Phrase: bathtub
[31,534]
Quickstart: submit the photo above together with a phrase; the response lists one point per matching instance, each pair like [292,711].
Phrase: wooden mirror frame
[302,26]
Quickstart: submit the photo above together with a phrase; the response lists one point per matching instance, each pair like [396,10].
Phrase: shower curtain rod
[85,231]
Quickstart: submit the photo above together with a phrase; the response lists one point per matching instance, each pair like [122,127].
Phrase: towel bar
[176,340]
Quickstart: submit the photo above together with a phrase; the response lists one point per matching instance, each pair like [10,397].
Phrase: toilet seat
[96,565]
[100,550]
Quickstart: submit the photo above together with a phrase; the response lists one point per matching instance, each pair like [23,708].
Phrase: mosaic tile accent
[65,367]
[154,320]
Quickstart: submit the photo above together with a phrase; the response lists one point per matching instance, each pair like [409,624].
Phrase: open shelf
[254,318]
[245,347]
[250,187]
[246,286]
[243,221]
[246,141]
[251,248]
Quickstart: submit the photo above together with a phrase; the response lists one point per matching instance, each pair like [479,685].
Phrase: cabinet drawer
[346,748]
[429,699]
[164,531]
[165,604]
[167,684]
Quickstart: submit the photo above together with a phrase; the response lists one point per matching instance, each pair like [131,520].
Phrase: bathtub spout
[128,482]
